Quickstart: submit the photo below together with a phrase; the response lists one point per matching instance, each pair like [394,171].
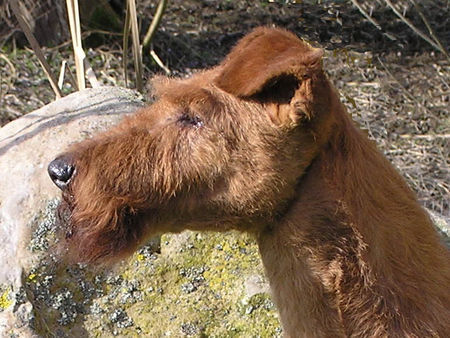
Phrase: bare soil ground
[394,83]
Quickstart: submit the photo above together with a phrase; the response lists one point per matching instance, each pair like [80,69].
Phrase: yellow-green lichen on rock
[200,284]
[5,298]
[197,287]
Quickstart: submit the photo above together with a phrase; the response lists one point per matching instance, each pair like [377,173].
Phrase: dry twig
[159,62]
[75,31]
[36,48]
[155,23]
[426,137]
[372,20]
[126,35]
[414,28]
[137,52]
[430,29]
[90,74]
[61,74]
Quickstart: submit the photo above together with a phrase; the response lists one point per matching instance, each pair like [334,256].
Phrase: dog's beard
[98,240]
[64,216]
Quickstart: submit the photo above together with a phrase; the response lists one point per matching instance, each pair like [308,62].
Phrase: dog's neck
[306,309]
[356,254]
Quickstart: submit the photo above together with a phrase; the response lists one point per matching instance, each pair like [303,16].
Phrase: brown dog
[261,143]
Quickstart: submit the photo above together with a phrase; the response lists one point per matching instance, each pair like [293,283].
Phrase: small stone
[249,310]
[121,319]
[188,287]
[189,329]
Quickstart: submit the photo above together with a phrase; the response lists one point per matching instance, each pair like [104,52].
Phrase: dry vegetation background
[394,83]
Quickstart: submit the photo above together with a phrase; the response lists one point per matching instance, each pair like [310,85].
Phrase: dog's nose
[61,171]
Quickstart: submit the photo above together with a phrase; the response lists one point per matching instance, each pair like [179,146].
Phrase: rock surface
[26,147]
[29,143]
[200,284]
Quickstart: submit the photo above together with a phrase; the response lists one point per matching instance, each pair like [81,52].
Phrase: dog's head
[222,149]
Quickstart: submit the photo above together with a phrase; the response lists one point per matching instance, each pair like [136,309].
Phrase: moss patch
[195,287]
[5,298]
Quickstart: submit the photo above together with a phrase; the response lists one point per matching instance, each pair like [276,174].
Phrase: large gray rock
[28,144]
[26,147]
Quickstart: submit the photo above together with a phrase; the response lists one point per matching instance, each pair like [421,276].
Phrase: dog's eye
[188,120]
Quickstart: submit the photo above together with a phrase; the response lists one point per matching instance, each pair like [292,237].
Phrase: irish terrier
[261,143]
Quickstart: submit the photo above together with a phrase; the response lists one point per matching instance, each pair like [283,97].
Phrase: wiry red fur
[261,143]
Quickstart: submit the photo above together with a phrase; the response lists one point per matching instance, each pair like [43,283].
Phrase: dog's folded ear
[265,57]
